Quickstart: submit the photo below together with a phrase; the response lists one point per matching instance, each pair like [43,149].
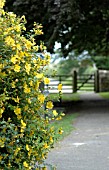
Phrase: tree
[101,62]
[77,25]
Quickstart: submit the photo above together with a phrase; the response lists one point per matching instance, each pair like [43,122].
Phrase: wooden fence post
[41,87]
[74,81]
[96,84]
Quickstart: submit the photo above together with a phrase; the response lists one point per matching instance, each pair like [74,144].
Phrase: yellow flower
[19,117]
[17,111]
[31,133]
[55,113]
[35,48]
[62,114]
[1,111]
[1,66]
[45,146]
[2,74]
[2,2]
[44,168]
[29,101]
[21,54]
[37,85]
[16,151]
[23,123]
[26,88]
[39,75]
[34,61]
[22,130]
[41,98]
[60,131]
[43,62]
[2,142]
[13,84]
[60,87]
[38,32]
[31,83]
[25,164]
[49,105]
[51,139]
[9,41]
[46,80]
[28,67]
[16,68]
[18,46]
[17,28]
[23,18]
[13,59]
[9,164]
[23,126]
[1,157]
[28,44]
[16,99]
[47,57]
[59,118]
[26,108]
[27,147]
[29,152]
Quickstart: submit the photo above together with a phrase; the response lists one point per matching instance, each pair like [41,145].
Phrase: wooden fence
[65,80]
[74,83]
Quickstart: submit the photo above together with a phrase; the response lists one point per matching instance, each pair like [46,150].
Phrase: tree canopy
[78,25]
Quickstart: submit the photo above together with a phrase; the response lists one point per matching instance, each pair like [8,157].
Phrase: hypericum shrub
[25,134]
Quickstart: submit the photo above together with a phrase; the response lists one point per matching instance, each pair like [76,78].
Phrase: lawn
[104,95]
[66,97]
[66,123]
[70,97]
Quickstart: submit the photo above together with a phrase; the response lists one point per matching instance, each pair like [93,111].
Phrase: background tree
[77,25]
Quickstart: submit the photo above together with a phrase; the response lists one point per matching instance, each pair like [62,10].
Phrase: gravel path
[87,147]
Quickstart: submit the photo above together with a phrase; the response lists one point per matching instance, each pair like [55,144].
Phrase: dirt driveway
[87,147]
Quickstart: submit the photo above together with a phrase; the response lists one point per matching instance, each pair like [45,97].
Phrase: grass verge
[66,123]
[65,97]
[70,97]
[104,95]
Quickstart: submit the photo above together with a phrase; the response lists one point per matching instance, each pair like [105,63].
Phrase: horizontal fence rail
[65,80]
[71,83]
[85,82]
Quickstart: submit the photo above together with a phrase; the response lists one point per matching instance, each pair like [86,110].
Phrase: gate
[65,80]
[85,82]
[74,83]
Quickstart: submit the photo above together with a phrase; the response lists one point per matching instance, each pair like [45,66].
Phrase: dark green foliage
[102,62]
[81,25]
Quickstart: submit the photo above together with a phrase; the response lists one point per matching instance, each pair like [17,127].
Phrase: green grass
[86,86]
[104,95]
[66,97]
[70,97]
[66,123]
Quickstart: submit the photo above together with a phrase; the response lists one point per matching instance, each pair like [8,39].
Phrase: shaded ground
[87,147]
